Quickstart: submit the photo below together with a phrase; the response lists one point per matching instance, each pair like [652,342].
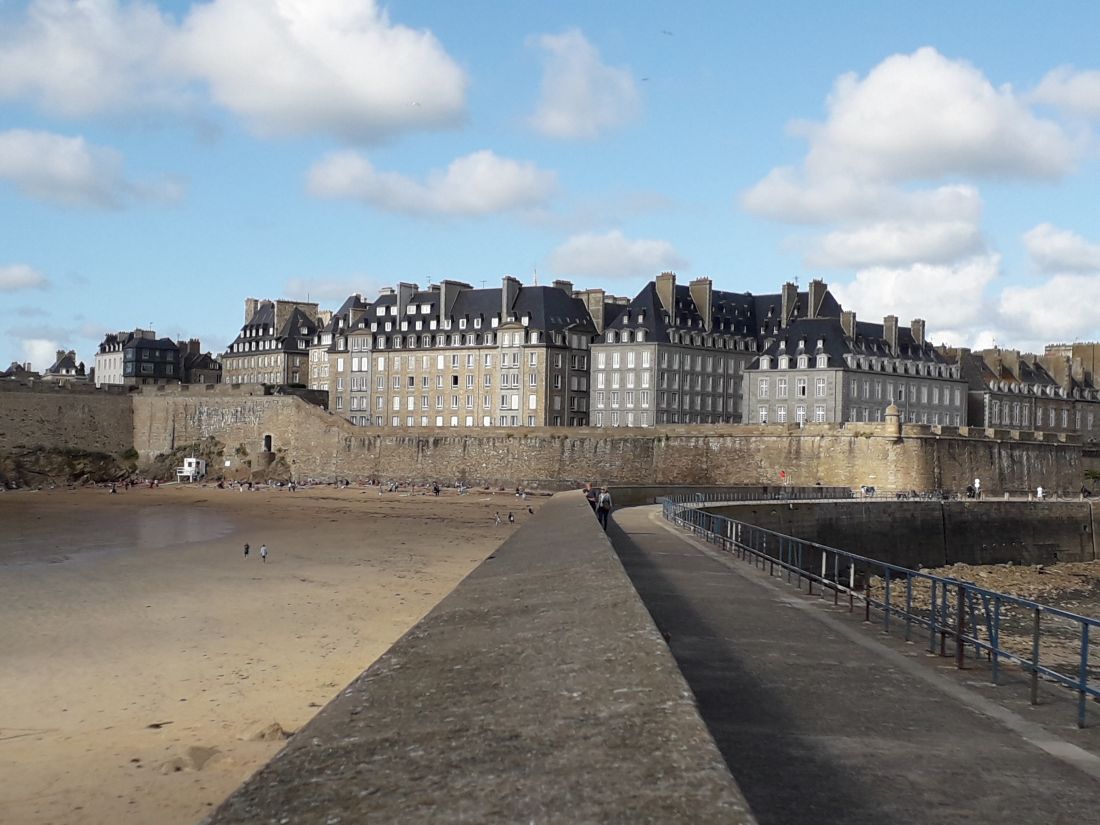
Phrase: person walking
[263,553]
[603,507]
[246,549]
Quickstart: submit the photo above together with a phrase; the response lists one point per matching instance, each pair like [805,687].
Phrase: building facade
[455,356]
[273,345]
[823,366]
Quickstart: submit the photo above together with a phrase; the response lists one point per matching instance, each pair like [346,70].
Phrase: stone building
[455,356]
[1053,392]
[818,364]
[329,354]
[273,344]
[674,354]
[197,367]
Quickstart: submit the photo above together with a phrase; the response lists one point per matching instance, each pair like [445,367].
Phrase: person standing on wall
[603,507]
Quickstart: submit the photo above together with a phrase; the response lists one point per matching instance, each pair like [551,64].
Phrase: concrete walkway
[821,722]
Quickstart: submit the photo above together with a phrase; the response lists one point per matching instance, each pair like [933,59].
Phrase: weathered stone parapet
[539,690]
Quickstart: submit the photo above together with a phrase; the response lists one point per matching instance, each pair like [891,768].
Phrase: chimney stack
[848,323]
[917,328]
[790,301]
[594,300]
[666,291]
[509,292]
[890,332]
[250,306]
[564,286]
[702,295]
[817,292]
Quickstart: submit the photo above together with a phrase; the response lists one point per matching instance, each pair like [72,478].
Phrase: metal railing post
[960,629]
[1035,659]
[1082,693]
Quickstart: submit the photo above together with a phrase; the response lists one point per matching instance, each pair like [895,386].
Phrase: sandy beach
[148,665]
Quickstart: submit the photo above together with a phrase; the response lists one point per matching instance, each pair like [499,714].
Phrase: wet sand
[145,662]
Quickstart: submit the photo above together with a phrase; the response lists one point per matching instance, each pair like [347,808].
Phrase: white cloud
[783,195]
[72,172]
[334,66]
[1072,91]
[948,296]
[86,57]
[923,116]
[896,243]
[20,276]
[581,96]
[612,255]
[477,184]
[1061,309]
[339,67]
[331,289]
[871,170]
[40,352]
[1059,250]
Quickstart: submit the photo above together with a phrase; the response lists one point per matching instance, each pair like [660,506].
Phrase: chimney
[60,354]
[250,306]
[917,327]
[448,294]
[405,293]
[594,300]
[848,323]
[666,291]
[702,295]
[509,292]
[790,301]
[564,286]
[818,288]
[890,332]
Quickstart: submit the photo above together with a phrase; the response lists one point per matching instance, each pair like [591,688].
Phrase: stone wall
[932,533]
[315,443]
[539,690]
[64,416]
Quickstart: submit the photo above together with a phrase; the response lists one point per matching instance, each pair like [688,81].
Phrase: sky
[161,162]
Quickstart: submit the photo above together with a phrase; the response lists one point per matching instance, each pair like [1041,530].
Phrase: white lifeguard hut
[193,469]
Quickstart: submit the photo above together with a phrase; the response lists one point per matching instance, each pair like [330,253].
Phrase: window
[762,414]
[781,388]
[781,414]
[819,413]
[800,387]
[762,390]
[800,413]
[819,388]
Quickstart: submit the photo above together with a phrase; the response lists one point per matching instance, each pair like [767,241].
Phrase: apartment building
[675,354]
[273,344]
[329,353]
[455,356]
[821,365]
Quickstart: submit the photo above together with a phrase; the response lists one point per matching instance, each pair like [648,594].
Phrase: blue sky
[159,163]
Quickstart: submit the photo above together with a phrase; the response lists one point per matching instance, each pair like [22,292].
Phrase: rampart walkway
[821,722]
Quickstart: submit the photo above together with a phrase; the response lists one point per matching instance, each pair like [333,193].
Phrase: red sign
[782,474]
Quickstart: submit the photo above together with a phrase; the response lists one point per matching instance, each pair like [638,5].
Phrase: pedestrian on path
[263,553]
[246,549]
[603,507]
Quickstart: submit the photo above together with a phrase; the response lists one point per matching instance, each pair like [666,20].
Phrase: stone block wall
[315,443]
[53,416]
[932,533]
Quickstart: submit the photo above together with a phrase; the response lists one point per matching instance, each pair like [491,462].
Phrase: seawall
[64,416]
[539,690]
[932,533]
[313,442]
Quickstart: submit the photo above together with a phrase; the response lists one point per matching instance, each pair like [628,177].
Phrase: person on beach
[590,496]
[246,548]
[511,517]
[603,507]
[263,553]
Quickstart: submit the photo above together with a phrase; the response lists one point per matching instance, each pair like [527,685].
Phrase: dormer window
[765,362]
[784,360]
[462,323]
[803,362]
[822,361]
[477,323]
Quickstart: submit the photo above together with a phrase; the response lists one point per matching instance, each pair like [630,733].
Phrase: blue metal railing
[763,493]
[955,614]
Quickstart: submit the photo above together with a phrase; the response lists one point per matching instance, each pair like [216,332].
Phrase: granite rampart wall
[315,443]
[63,416]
